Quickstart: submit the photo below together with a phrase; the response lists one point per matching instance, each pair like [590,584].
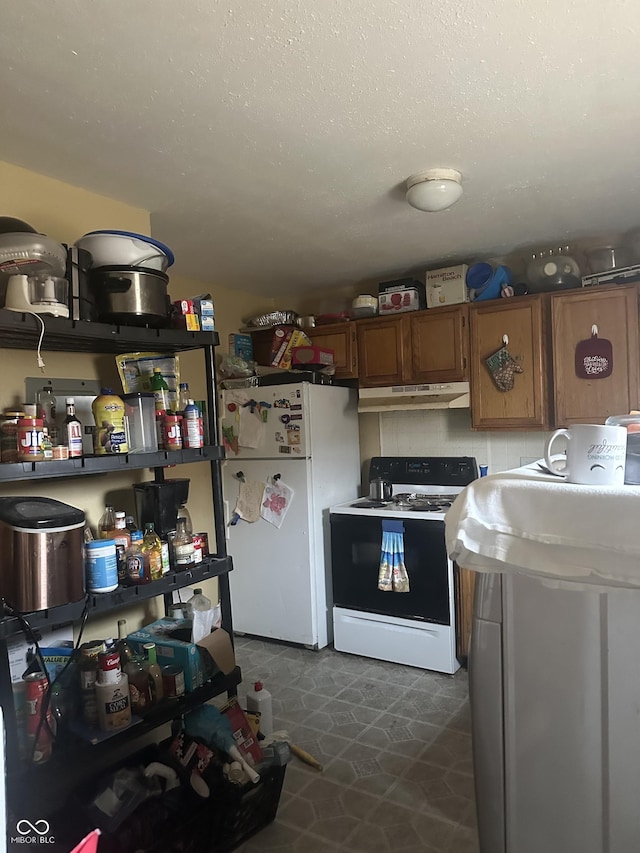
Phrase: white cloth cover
[527,521]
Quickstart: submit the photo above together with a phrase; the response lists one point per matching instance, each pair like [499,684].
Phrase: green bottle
[160,390]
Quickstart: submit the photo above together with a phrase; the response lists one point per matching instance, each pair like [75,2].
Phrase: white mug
[595,454]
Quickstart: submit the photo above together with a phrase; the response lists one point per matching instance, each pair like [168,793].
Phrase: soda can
[38,725]
[173,681]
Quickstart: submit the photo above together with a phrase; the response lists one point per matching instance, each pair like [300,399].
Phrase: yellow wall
[65,212]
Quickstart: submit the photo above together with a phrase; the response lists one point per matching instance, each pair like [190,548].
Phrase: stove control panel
[425,470]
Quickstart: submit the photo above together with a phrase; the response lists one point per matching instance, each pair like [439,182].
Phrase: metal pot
[380,490]
[130,295]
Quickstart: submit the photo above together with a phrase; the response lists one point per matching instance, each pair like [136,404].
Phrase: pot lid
[39,513]
[163,248]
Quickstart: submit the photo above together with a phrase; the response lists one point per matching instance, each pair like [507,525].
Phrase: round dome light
[434,189]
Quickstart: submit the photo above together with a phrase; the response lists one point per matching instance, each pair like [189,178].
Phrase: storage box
[447,286]
[204,307]
[292,338]
[199,661]
[241,346]
[311,356]
[398,301]
[207,323]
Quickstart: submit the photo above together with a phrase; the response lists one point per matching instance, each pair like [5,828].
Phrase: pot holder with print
[503,366]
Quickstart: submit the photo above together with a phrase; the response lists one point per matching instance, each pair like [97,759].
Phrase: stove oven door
[355,557]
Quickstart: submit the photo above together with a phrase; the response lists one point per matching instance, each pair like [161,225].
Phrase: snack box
[398,301]
[293,337]
[241,346]
[207,323]
[311,356]
[199,661]
[204,307]
[447,286]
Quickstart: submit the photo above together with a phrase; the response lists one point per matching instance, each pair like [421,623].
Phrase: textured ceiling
[270,139]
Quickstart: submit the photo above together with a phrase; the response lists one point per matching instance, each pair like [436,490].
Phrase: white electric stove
[416,628]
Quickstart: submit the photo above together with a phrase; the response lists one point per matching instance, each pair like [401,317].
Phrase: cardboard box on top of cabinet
[199,661]
[447,286]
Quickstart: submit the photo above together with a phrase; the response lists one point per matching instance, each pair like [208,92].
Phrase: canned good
[109,669]
[60,451]
[173,681]
[38,723]
[9,435]
[101,564]
[204,536]
[198,544]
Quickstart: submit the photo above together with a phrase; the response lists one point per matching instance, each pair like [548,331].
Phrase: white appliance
[280,583]
[415,628]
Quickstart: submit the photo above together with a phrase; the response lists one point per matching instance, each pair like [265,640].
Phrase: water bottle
[259,701]
[198,601]
[192,426]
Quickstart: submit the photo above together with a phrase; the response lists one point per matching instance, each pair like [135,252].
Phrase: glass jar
[183,548]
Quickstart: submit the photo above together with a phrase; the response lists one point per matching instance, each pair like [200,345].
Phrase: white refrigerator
[308,435]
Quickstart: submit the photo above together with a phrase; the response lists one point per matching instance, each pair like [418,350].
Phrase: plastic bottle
[183,548]
[183,512]
[198,601]
[183,396]
[155,673]
[152,551]
[72,429]
[137,566]
[108,413]
[160,391]
[192,426]
[122,538]
[259,701]
[139,685]
[101,565]
[130,523]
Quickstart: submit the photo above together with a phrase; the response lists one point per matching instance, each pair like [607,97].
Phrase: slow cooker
[41,553]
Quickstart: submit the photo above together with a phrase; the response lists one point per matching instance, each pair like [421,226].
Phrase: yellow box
[193,322]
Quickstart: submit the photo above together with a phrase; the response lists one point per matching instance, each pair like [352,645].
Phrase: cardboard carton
[199,661]
[447,286]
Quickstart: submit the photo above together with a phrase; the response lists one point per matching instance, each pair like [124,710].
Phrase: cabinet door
[382,346]
[615,313]
[522,321]
[341,338]
[438,344]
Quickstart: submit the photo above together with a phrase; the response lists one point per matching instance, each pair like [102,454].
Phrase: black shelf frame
[21,331]
[67,768]
[123,596]
[86,465]
[80,760]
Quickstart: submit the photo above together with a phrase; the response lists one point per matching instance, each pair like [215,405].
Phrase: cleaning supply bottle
[259,701]
[192,426]
[108,413]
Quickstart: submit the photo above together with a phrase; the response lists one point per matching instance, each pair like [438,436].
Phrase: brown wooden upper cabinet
[419,346]
[522,322]
[614,312]
[341,338]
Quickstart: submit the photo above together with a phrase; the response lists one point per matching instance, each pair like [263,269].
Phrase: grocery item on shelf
[108,413]
[72,430]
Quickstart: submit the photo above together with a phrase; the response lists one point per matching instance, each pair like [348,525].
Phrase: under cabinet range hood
[398,398]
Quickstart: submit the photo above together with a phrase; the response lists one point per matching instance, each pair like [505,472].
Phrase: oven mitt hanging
[503,367]
[392,576]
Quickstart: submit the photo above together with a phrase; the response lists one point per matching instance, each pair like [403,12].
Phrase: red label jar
[172,432]
[29,435]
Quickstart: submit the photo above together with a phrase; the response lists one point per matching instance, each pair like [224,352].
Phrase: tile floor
[395,744]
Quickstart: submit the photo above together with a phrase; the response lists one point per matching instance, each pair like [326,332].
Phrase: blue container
[101,565]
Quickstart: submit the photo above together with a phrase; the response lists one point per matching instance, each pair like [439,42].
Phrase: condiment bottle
[160,390]
[154,671]
[107,523]
[137,567]
[192,426]
[183,549]
[152,551]
[123,645]
[122,538]
[72,430]
[259,701]
[183,396]
[139,685]
[108,413]
[47,404]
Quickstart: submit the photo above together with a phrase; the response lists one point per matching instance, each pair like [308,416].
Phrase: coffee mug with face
[595,454]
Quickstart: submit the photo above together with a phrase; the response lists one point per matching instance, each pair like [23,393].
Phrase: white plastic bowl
[126,249]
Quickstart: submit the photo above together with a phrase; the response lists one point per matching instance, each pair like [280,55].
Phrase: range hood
[398,398]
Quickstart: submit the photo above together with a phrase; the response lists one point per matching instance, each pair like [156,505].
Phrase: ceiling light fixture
[434,189]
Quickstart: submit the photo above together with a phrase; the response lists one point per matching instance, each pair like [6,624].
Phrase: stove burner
[367,504]
[429,506]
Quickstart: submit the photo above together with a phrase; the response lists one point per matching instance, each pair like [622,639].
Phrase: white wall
[447,432]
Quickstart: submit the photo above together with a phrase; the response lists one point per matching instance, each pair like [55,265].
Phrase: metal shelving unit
[75,760]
